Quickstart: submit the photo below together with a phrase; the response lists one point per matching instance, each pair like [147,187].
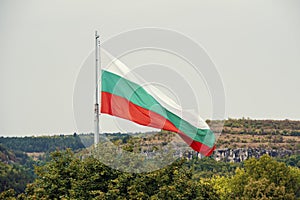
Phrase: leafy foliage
[68,177]
[293,160]
[14,176]
[208,167]
[263,178]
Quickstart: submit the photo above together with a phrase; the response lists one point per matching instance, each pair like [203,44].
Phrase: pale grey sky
[255,45]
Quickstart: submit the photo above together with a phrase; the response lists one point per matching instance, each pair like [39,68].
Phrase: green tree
[265,178]
[67,177]
[54,180]
[8,194]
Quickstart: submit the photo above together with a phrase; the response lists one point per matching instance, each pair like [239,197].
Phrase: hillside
[16,170]
[236,133]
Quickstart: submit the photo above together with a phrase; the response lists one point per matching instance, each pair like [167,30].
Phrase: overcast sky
[255,45]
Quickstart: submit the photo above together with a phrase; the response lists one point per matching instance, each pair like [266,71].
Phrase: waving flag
[124,96]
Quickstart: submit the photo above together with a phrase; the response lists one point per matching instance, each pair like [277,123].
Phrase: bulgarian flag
[125,96]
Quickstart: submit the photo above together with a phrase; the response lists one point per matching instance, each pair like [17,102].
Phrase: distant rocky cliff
[241,154]
[231,154]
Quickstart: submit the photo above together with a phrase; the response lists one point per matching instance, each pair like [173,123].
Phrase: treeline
[68,177]
[45,143]
[75,142]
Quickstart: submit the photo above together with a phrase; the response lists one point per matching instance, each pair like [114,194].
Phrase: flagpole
[97,71]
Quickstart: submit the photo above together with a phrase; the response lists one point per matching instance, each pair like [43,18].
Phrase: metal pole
[97,66]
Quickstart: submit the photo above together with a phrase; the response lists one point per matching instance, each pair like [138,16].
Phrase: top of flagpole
[96,35]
